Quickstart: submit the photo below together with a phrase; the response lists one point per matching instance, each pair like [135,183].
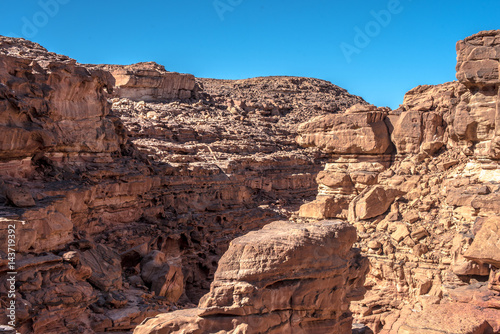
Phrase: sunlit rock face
[150,82]
[127,183]
[285,278]
[426,215]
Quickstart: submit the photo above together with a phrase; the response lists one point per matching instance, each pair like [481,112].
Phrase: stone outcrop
[485,249]
[370,203]
[51,104]
[478,120]
[284,278]
[151,82]
[451,319]
[360,148]
[360,130]
[477,61]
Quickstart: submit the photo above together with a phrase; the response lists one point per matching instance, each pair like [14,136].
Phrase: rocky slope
[124,207]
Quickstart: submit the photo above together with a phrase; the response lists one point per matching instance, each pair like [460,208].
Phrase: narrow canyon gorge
[138,200]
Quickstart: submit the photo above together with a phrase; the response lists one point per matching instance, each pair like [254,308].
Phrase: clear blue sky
[236,39]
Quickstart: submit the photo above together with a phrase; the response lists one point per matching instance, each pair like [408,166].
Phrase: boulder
[165,279]
[335,179]
[356,133]
[486,245]
[372,202]
[400,233]
[19,196]
[286,278]
[325,207]
[106,267]
[453,318]
[417,131]
[478,58]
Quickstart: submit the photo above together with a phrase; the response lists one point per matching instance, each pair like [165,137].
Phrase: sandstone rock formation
[126,185]
[150,82]
[284,278]
[477,69]
[427,216]
[52,104]
[123,208]
[360,149]
[362,132]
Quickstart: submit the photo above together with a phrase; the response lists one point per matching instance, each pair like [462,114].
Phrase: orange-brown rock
[478,69]
[166,279]
[451,319]
[444,185]
[370,203]
[285,278]
[478,59]
[150,82]
[324,207]
[51,103]
[359,141]
[107,191]
[353,133]
[123,213]
[417,131]
[486,245]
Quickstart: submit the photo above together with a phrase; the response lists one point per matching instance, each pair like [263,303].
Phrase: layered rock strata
[360,148]
[150,82]
[427,217]
[284,278]
[126,185]
[123,208]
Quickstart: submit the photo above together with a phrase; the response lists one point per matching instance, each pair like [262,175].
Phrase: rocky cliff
[424,207]
[129,184]
[123,207]
[150,82]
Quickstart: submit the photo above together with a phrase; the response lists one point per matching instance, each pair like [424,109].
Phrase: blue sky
[378,49]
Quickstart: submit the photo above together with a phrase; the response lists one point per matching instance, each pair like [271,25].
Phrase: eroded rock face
[166,279]
[124,207]
[343,182]
[477,61]
[427,216]
[360,132]
[478,69]
[150,82]
[50,103]
[286,277]
[448,319]
[486,245]
[372,202]
[123,211]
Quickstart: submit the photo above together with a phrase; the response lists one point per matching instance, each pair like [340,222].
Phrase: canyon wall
[123,207]
[127,184]
[426,218]
[150,82]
